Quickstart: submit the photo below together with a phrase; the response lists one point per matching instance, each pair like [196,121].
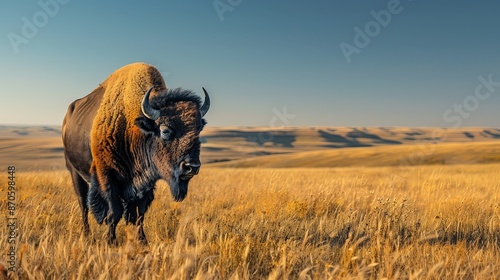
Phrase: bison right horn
[147,110]
[206,104]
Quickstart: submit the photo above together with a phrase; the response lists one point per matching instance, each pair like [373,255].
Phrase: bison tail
[96,202]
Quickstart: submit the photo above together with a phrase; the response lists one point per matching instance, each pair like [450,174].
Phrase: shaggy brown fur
[114,123]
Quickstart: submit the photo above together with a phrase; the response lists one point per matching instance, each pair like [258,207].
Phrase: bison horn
[206,103]
[149,112]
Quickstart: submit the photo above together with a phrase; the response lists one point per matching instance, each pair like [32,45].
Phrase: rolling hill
[40,147]
[401,155]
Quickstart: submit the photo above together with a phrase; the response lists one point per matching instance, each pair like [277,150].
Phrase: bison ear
[146,125]
[203,123]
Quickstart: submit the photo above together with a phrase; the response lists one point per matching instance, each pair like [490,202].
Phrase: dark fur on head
[167,97]
[180,112]
[174,95]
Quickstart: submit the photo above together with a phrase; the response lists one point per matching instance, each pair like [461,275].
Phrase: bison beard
[178,188]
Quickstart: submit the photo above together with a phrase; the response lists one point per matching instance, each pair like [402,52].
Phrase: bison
[126,135]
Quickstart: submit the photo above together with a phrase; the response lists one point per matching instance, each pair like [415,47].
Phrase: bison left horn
[147,110]
[206,103]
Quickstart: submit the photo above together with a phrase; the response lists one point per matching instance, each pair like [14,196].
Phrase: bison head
[172,122]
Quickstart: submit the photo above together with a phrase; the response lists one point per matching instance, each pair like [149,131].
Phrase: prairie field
[410,222]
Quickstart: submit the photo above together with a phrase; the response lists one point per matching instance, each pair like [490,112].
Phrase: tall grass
[422,222]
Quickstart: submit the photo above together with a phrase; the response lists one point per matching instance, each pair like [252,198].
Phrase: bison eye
[166,133]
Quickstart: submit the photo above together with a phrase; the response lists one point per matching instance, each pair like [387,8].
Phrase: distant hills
[227,144]
[40,147]
[395,155]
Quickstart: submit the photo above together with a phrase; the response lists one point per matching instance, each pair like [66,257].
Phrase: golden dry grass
[424,222]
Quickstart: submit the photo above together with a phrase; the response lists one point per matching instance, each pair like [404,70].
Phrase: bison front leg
[136,217]
[134,214]
[142,207]
[105,204]
[141,236]
[115,213]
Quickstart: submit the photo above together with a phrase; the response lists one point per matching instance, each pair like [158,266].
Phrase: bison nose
[190,167]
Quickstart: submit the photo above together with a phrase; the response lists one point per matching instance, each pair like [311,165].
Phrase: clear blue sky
[256,56]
